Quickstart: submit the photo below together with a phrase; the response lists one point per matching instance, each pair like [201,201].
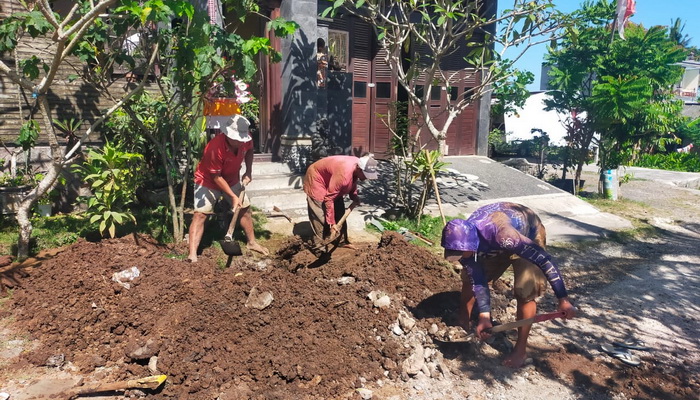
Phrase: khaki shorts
[530,283]
[205,199]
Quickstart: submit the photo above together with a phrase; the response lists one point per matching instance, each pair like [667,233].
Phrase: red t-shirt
[220,159]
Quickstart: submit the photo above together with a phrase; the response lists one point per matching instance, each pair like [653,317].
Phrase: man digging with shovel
[326,182]
[217,176]
[486,244]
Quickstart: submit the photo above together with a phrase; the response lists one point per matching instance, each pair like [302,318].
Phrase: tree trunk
[25,206]
[442,146]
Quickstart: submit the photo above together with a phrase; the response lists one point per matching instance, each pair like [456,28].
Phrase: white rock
[379,298]
[4,396]
[405,321]
[414,364]
[346,280]
[366,394]
[382,302]
[259,300]
[433,329]
[153,364]
[397,330]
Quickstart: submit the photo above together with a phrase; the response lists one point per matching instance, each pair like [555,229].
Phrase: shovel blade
[231,247]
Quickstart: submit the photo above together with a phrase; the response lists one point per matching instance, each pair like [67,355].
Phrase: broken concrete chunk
[366,394]
[379,298]
[56,361]
[405,321]
[153,364]
[414,364]
[259,300]
[346,280]
[138,351]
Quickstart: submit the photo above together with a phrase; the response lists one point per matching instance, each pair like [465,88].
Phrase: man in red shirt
[326,182]
[218,175]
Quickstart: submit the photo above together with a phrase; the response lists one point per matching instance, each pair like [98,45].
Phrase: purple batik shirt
[481,235]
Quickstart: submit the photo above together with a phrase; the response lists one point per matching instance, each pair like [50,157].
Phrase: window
[454,92]
[383,90]
[435,92]
[337,51]
[360,89]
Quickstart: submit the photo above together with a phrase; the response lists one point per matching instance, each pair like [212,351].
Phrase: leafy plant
[113,176]
[424,166]
[689,162]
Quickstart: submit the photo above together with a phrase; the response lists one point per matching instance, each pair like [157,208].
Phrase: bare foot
[349,246]
[516,359]
[191,259]
[255,246]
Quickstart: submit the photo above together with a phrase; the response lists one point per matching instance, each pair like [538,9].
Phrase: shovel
[149,382]
[228,245]
[321,247]
[511,325]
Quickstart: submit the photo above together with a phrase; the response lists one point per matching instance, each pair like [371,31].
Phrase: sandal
[632,344]
[621,354]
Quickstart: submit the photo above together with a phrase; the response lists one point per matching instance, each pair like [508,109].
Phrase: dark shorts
[317,218]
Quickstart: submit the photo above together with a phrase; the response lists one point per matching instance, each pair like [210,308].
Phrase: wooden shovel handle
[528,321]
[234,219]
[340,222]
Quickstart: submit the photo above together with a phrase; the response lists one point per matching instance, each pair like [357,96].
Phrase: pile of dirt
[215,332]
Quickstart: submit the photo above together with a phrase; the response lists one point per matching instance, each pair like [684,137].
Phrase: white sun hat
[368,165]
[238,129]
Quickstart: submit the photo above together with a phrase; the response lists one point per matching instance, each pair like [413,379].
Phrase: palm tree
[675,32]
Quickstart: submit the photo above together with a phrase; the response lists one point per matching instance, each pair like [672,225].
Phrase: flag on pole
[625,9]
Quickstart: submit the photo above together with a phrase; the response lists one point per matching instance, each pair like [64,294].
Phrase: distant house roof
[519,125]
[689,64]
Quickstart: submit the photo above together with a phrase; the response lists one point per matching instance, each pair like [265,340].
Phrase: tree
[192,55]
[438,30]
[623,86]
[90,30]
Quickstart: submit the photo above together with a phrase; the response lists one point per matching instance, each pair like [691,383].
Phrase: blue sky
[649,13]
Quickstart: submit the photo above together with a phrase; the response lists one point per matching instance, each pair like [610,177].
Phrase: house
[687,88]
[359,88]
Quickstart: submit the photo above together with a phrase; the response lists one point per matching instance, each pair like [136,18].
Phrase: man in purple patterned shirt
[494,237]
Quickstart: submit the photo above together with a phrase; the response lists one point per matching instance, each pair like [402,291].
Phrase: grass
[429,226]
[65,229]
[630,210]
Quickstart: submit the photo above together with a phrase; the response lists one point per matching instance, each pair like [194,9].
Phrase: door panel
[360,66]
[383,95]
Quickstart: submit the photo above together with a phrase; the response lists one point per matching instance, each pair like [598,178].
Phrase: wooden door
[360,66]
[374,91]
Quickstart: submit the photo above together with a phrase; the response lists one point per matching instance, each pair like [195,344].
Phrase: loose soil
[326,334]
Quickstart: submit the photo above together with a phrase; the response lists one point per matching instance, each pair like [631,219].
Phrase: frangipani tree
[89,30]
[437,30]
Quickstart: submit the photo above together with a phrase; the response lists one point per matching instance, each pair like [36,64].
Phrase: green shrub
[688,162]
[113,176]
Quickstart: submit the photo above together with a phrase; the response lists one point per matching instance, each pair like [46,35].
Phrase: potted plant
[12,189]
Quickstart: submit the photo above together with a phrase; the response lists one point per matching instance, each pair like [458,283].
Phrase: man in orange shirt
[218,175]
[325,183]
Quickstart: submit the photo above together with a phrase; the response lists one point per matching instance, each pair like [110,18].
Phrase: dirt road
[363,325]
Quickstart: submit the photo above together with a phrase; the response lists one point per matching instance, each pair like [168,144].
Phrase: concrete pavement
[474,181]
